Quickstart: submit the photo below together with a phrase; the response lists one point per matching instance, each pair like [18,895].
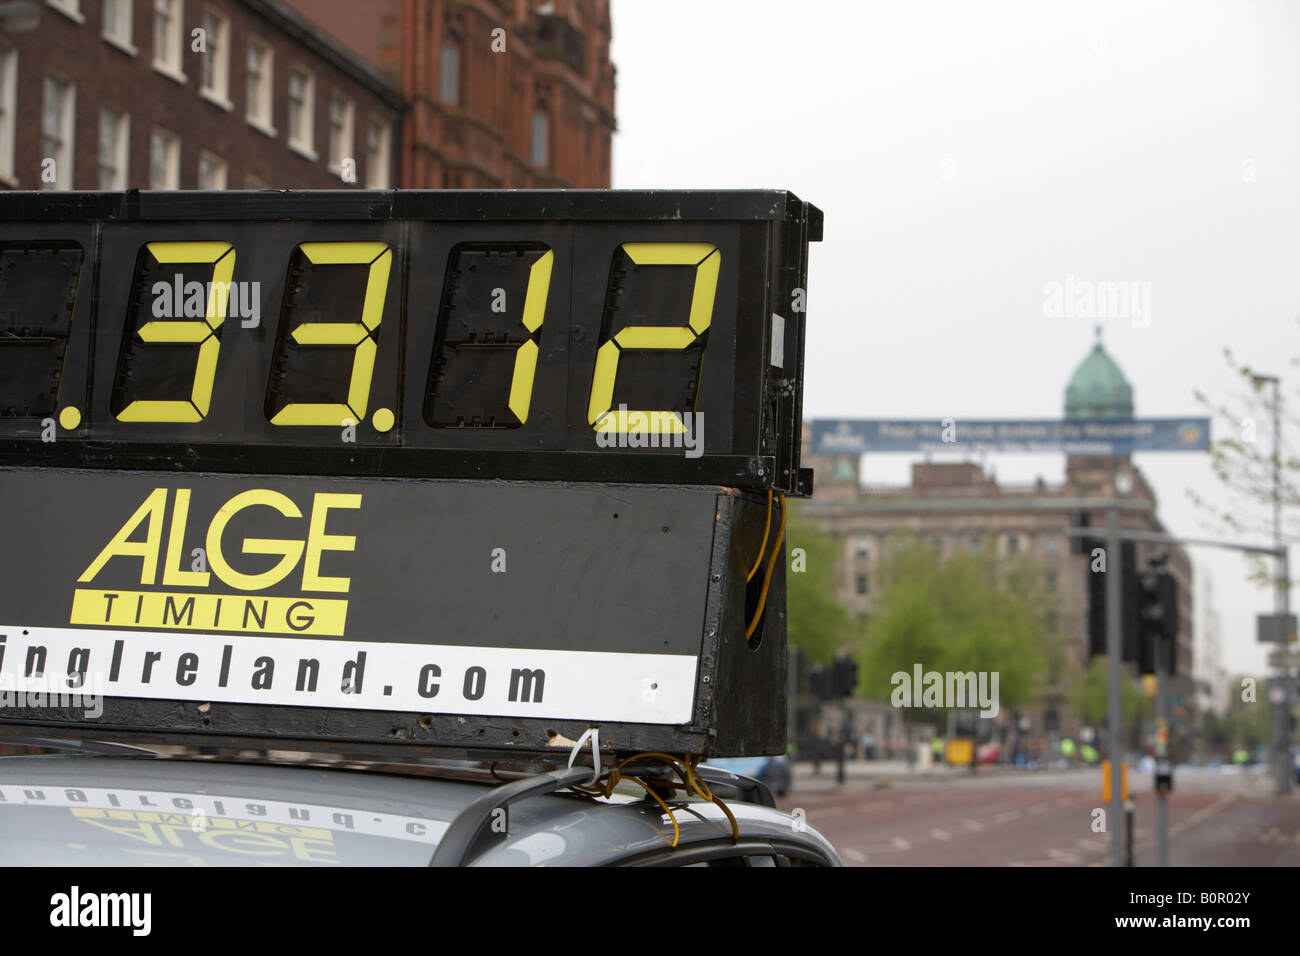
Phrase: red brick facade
[500,93]
[69,45]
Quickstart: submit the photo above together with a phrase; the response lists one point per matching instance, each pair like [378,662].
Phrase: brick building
[958,506]
[501,94]
[111,94]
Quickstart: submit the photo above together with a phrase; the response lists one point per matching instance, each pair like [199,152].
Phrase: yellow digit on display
[521,382]
[201,332]
[705,257]
[358,335]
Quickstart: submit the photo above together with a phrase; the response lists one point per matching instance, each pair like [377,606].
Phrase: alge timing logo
[187,607]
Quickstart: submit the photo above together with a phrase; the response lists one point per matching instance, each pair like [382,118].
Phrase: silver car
[101,804]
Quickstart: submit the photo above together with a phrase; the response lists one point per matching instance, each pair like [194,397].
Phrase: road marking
[939,834]
[901,843]
[973,825]
[857,856]
[1065,856]
[1007,815]
[1062,801]
[1087,844]
[1039,808]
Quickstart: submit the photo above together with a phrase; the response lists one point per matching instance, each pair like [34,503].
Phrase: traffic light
[1130,605]
[1158,621]
[844,677]
[819,682]
[1082,545]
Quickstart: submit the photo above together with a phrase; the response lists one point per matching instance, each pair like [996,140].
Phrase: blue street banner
[1098,436]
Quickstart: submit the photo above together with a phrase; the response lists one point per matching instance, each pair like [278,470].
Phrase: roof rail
[453,849]
[735,786]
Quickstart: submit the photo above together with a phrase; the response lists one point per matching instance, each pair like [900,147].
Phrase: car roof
[96,810]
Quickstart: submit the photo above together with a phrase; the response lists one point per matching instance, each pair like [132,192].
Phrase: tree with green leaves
[1092,696]
[1244,456]
[816,622]
[972,612]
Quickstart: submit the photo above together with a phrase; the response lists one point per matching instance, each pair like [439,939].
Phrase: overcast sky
[968,154]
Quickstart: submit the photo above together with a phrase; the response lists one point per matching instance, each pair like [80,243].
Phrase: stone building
[957,505]
[182,94]
[501,94]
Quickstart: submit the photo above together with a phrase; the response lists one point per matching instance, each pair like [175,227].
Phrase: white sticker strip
[424,678]
[200,810]
[778,340]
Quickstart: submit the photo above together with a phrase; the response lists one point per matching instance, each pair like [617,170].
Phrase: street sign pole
[1163,757]
[1114,572]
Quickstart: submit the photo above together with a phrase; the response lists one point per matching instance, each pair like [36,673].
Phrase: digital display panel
[641,337]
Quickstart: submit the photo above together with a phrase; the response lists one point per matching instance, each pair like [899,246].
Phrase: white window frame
[8,114]
[342,138]
[259,109]
[124,39]
[173,43]
[218,58]
[379,143]
[449,73]
[218,166]
[540,146]
[66,133]
[121,122]
[303,140]
[69,8]
[172,143]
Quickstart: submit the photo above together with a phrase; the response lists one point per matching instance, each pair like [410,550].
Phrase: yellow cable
[767,575]
[684,767]
[762,547]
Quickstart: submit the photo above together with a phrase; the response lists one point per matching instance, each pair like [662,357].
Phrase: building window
[862,547]
[377,161]
[975,543]
[341,113]
[259,86]
[302,135]
[56,131]
[114,139]
[71,7]
[214,65]
[117,23]
[1050,580]
[164,160]
[167,37]
[212,172]
[1051,545]
[540,151]
[1013,544]
[449,80]
[860,585]
[8,108]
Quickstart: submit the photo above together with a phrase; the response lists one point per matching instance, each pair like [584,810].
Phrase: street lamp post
[1281,600]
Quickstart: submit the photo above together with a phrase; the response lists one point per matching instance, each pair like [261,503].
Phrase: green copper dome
[1098,388]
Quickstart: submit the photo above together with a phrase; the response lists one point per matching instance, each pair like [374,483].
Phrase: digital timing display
[601,336]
